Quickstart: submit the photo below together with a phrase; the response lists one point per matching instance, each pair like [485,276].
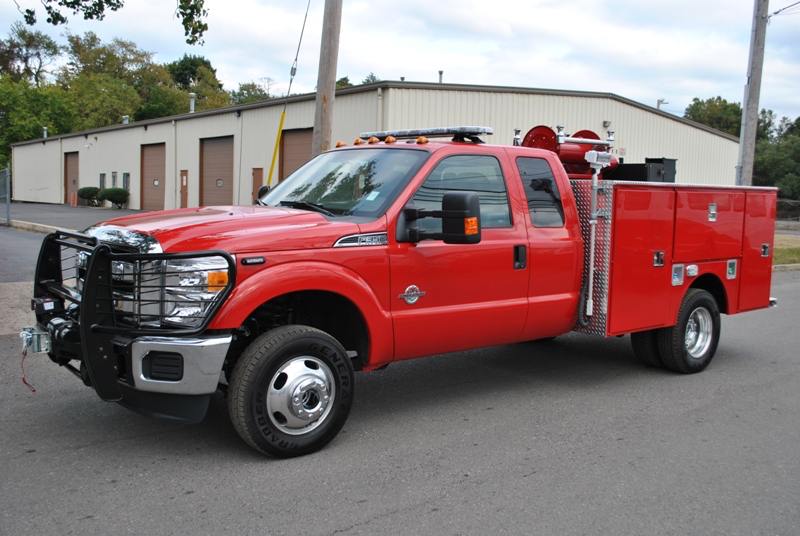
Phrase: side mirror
[262,191]
[460,215]
[461,218]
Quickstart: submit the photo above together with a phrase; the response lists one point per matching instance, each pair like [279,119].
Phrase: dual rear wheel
[689,345]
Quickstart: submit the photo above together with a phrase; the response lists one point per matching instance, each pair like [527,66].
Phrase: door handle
[520,257]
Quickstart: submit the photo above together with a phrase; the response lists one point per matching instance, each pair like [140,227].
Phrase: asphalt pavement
[65,216]
[568,437]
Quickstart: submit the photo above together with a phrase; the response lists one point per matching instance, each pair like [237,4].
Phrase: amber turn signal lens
[217,281]
[471,226]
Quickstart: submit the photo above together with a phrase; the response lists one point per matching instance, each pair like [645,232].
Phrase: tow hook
[35,341]
[773,302]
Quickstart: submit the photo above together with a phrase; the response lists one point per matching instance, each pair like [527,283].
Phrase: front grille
[132,291]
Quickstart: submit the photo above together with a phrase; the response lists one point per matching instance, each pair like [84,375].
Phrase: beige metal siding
[216,171]
[153,173]
[295,150]
[37,172]
[703,157]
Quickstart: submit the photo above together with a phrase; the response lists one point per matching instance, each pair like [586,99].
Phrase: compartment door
[641,257]
[708,225]
[759,234]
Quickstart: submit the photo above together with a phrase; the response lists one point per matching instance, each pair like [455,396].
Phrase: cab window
[544,199]
[465,173]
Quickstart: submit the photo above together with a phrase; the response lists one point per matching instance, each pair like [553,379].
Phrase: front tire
[291,391]
[690,345]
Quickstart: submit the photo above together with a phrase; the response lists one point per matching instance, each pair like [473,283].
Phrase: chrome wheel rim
[699,329]
[300,395]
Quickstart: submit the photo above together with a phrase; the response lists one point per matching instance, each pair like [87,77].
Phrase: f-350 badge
[412,294]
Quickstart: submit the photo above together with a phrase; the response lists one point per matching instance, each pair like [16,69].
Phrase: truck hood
[236,229]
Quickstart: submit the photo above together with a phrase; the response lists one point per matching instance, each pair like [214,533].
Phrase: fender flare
[286,278]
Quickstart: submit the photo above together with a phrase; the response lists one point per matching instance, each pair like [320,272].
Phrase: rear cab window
[541,191]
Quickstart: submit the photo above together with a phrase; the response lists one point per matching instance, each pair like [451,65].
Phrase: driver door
[449,297]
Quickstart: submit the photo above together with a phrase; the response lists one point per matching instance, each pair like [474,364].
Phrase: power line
[784,9]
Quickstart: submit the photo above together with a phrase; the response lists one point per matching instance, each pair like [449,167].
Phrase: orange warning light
[390,139]
[340,144]
[373,139]
[471,225]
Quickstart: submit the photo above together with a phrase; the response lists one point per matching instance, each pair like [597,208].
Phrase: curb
[785,267]
[35,227]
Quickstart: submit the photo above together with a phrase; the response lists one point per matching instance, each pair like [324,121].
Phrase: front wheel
[689,346]
[291,391]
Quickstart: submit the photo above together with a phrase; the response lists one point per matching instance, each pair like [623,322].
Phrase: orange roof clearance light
[340,144]
[471,226]
[373,139]
[422,140]
[390,139]
[358,141]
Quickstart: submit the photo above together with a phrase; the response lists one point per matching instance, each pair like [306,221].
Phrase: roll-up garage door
[216,171]
[153,171]
[71,180]
[295,150]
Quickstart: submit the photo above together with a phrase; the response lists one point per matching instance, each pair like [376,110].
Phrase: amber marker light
[217,281]
[373,139]
[422,140]
[340,144]
[358,141]
[471,226]
[390,139]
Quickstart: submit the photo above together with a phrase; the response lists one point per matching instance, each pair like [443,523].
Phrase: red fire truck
[392,248]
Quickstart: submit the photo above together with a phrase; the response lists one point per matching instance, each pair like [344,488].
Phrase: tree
[25,109]
[184,70]
[777,163]
[343,82]
[192,14]
[249,92]
[87,54]
[26,54]
[716,112]
[102,100]
[160,96]
[371,78]
[209,90]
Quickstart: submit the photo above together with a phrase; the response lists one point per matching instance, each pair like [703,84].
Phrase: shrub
[89,194]
[116,196]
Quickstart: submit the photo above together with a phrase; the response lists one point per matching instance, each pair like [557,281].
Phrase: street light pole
[752,90]
[326,77]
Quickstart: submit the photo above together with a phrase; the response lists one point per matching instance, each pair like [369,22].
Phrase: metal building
[222,156]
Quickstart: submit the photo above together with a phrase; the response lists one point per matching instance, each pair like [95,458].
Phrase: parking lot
[572,436]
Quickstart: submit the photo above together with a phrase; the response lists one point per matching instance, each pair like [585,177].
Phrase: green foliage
[88,55]
[371,78]
[89,194]
[716,112]
[26,54]
[25,109]
[185,70]
[160,96]
[209,90]
[116,196]
[102,100]
[343,82]
[192,14]
[249,92]
[777,163]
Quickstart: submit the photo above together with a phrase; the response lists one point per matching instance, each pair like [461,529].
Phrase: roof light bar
[458,133]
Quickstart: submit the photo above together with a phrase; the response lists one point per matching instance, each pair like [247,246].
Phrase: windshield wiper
[307,206]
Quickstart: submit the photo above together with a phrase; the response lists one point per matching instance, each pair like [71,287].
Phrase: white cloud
[644,50]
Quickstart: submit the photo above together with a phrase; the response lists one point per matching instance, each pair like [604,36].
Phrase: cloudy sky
[641,49]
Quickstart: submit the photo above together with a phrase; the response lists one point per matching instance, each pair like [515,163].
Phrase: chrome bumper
[202,357]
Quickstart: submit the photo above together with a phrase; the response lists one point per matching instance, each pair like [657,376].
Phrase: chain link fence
[5,195]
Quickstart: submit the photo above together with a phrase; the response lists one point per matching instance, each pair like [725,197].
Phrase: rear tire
[690,345]
[291,391]
[645,347]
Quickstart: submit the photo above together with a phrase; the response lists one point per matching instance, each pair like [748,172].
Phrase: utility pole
[752,90]
[326,77]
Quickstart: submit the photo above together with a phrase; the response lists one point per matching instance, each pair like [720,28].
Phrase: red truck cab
[393,248]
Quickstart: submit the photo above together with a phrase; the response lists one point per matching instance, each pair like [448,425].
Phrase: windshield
[356,182]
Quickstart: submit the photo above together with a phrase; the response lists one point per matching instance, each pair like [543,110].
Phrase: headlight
[191,287]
